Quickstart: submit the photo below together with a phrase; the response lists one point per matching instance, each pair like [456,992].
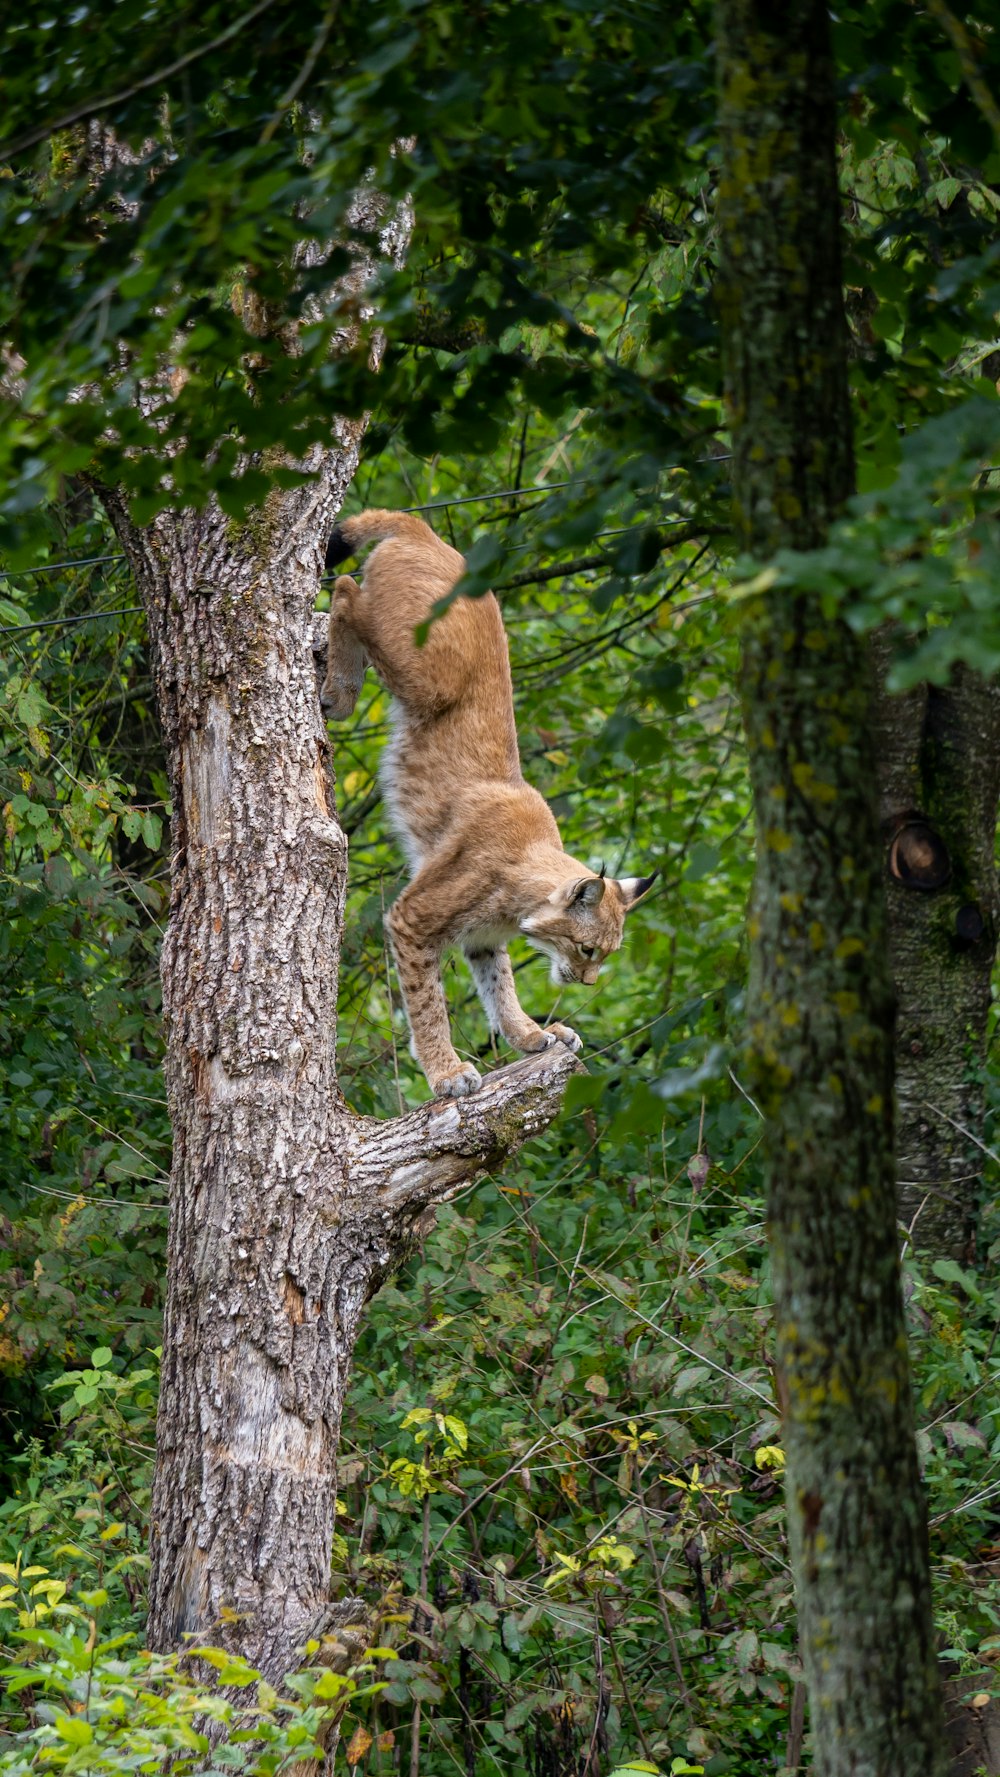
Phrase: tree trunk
[286,1210]
[820,1003]
[938,752]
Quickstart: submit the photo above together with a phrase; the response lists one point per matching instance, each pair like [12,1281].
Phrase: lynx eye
[587,950]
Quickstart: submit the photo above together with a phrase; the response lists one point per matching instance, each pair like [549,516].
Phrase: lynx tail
[370,527]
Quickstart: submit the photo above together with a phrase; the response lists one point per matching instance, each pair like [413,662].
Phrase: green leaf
[944,192]
[331,1684]
[74,1730]
[703,860]
[950,1271]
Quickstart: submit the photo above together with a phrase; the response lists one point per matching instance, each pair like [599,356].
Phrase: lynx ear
[635,888]
[587,891]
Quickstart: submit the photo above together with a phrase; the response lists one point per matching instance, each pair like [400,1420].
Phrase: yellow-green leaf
[74,1730]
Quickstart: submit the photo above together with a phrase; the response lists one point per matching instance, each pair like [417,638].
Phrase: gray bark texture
[938,756]
[287,1211]
[820,1004]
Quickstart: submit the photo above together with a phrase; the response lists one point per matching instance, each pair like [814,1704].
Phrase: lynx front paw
[553,1033]
[457,1085]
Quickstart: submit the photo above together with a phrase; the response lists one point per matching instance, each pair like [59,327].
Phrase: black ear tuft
[635,887]
[338,549]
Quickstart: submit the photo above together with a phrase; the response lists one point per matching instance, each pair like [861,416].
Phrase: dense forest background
[561,1471]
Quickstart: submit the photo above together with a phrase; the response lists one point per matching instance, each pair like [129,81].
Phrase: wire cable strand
[551,573]
[507,493]
[504,493]
[17,629]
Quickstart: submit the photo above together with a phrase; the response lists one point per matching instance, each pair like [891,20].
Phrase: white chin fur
[560,971]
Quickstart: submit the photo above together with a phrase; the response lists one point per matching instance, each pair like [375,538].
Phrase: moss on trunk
[821,1003]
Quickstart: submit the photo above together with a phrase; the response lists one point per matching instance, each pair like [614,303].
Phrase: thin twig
[796,1726]
[15,144]
[626,1693]
[417,1617]
[665,1617]
[388,995]
[742,1089]
[292,92]
[473,1503]
[981,1145]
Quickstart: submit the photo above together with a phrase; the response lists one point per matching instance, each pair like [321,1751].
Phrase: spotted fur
[483,846]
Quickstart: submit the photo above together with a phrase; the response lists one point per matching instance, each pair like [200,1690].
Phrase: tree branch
[412,1162]
[685,533]
[438,330]
[92,107]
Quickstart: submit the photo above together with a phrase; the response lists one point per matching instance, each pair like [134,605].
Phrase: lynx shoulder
[483,847]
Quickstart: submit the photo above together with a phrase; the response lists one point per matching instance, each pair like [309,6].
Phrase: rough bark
[938,753]
[286,1210]
[820,1003]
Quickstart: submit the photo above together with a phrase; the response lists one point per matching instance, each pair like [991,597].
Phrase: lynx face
[582,922]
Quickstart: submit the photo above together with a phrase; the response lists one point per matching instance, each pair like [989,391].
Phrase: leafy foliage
[98,1705]
[579,1557]
[82,888]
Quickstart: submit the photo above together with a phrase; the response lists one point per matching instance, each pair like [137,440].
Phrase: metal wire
[88,561]
[64,622]
[505,493]
[50,567]
[132,610]
[620,531]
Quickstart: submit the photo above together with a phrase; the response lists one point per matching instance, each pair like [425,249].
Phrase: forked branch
[406,1165]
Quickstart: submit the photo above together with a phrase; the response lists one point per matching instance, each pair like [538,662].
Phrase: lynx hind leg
[418,965]
[346,659]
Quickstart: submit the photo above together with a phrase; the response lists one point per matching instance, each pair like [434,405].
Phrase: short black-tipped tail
[338,549]
[373,527]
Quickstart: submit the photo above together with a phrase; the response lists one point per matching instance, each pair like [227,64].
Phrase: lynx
[483,847]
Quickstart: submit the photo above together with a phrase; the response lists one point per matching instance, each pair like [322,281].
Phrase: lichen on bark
[820,1005]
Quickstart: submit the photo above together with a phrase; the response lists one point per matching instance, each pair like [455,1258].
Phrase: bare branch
[423,1158]
[93,107]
